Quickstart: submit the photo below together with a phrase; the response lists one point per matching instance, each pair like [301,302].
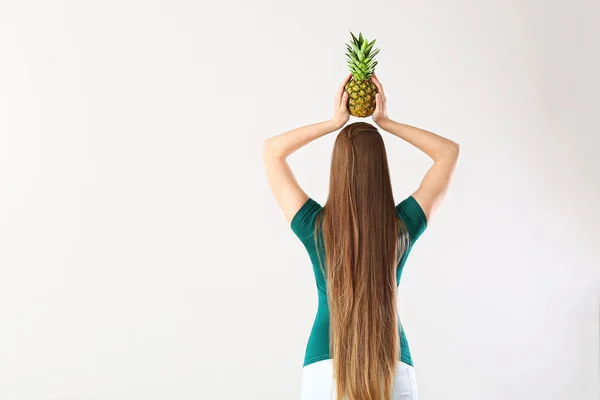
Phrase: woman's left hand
[341,114]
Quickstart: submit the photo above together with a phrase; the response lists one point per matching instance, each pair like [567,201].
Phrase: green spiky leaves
[360,57]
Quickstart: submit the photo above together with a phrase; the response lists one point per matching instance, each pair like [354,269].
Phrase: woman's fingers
[347,79]
[338,96]
[344,101]
[341,91]
[378,85]
[380,103]
[343,86]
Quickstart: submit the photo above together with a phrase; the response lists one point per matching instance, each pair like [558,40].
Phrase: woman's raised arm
[276,149]
[444,152]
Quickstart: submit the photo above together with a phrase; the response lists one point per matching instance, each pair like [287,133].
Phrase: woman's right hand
[380,114]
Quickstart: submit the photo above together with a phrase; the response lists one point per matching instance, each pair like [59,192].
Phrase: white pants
[317,382]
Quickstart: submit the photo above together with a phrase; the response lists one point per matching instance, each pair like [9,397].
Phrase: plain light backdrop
[142,255]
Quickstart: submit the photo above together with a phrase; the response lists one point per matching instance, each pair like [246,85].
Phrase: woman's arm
[444,152]
[288,193]
[284,144]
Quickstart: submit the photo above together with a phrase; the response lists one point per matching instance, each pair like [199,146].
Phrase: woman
[358,243]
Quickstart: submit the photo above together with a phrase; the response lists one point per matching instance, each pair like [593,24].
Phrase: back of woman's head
[359,162]
[363,242]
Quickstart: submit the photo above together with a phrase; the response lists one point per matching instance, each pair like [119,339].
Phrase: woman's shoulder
[303,222]
[411,213]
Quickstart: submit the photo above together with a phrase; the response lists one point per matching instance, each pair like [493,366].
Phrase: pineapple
[361,91]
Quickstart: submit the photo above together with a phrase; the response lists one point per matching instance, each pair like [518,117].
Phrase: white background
[142,255]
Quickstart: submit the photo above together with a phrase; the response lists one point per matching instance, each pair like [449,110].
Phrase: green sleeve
[303,222]
[410,211]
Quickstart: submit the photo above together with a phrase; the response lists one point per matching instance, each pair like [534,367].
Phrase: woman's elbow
[454,148]
[269,148]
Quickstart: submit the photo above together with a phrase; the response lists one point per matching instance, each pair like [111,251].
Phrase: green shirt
[302,225]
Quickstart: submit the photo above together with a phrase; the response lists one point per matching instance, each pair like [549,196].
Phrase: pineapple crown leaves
[361,57]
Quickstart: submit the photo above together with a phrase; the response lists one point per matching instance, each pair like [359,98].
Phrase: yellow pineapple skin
[361,97]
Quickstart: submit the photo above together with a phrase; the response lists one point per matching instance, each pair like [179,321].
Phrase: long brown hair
[363,241]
